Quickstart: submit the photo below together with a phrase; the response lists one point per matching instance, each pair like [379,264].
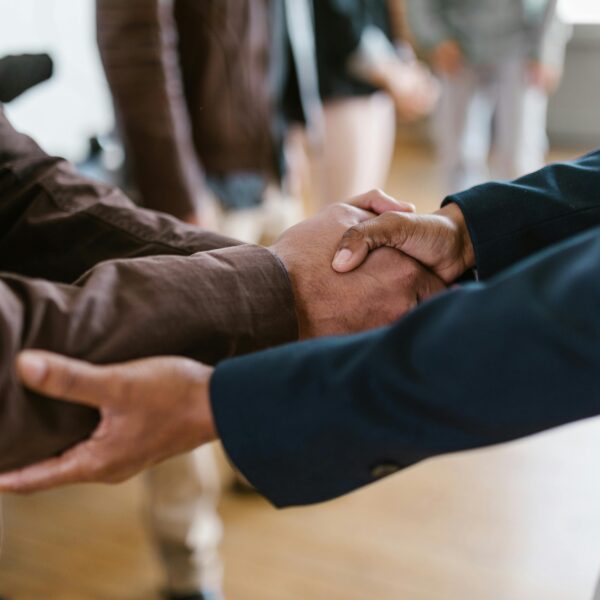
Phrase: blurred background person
[498,60]
[366,76]
[193,93]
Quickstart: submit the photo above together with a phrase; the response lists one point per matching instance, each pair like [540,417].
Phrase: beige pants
[355,155]
[474,98]
[183,496]
[184,491]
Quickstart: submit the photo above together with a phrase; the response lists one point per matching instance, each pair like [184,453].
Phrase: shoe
[197,596]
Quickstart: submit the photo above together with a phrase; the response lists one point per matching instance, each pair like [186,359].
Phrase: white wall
[75,104]
[574,112]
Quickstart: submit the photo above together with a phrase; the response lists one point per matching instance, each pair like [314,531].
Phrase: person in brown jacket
[86,273]
[193,93]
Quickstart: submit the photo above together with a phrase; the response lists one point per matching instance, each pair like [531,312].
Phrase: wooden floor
[518,522]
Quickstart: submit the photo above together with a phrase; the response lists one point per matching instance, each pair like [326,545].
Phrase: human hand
[150,410]
[411,86]
[440,240]
[380,291]
[546,77]
[447,57]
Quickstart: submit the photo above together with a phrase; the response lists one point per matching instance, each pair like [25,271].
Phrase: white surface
[62,113]
[580,11]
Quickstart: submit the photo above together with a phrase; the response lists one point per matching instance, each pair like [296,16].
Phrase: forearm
[480,365]
[208,306]
[509,221]
[138,47]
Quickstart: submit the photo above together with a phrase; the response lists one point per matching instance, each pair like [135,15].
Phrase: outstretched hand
[150,410]
[440,240]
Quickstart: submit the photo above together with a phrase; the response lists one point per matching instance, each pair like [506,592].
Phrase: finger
[352,251]
[358,241]
[63,378]
[63,470]
[379,202]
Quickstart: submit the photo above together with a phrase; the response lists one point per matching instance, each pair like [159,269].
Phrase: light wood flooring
[517,522]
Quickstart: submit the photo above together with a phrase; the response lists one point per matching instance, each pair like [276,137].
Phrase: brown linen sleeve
[224,299]
[57,224]
[207,306]
[138,48]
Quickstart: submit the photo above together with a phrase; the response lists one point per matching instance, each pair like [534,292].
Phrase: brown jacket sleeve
[218,302]
[138,48]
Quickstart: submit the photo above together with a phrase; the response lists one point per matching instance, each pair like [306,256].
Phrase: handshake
[417,256]
[352,267]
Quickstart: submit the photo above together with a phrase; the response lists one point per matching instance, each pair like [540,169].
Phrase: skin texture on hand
[411,86]
[150,410]
[447,57]
[385,287]
[440,240]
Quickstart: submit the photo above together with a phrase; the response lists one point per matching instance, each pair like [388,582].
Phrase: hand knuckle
[356,232]
[390,219]
[65,381]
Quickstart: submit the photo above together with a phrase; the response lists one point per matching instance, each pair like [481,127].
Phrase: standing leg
[358,146]
[521,141]
[183,493]
[462,129]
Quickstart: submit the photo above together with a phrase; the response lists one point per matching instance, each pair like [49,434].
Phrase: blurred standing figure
[498,60]
[191,83]
[364,81]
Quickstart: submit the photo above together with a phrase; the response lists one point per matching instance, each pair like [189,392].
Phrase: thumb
[63,378]
[389,229]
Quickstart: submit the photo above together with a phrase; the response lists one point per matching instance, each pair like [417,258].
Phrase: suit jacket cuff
[509,221]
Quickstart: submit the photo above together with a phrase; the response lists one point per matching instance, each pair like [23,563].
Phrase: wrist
[203,418]
[286,259]
[456,218]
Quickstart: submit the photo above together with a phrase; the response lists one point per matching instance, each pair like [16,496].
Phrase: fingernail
[33,368]
[342,257]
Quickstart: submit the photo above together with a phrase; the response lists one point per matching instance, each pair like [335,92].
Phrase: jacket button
[383,470]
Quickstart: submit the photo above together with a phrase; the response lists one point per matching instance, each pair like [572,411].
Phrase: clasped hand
[155,408]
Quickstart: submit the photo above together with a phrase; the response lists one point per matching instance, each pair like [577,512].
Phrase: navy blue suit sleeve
[482,364]
[509,221]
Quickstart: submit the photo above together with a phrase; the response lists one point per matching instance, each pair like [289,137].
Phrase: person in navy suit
[511,354]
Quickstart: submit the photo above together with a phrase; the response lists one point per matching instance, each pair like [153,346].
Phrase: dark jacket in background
[181,290]
[339,26]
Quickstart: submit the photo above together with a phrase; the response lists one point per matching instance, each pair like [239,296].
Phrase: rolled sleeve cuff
[262,296]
